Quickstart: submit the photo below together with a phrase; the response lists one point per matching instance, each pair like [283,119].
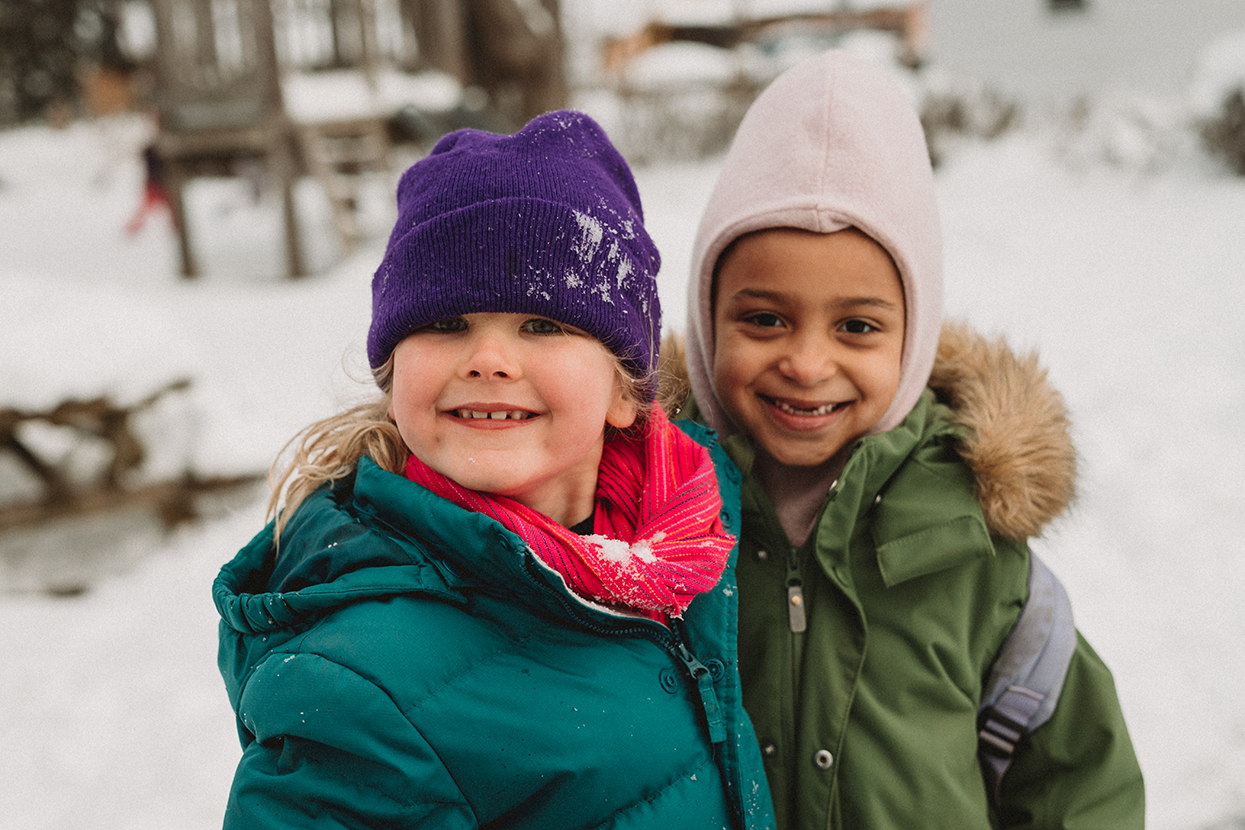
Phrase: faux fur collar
[1018,441]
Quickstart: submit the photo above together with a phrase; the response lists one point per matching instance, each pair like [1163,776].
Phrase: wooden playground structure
[222,67]
[220,102]
[222,70]
[696,115]
[910,23]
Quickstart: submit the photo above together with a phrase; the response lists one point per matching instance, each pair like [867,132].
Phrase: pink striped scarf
[658,539]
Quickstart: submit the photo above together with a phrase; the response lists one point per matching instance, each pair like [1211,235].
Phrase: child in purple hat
[500,595]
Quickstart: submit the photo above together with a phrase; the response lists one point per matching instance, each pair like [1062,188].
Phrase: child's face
[808,339]
[510,404]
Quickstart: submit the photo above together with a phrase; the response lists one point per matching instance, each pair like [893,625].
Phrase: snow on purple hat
[546,221]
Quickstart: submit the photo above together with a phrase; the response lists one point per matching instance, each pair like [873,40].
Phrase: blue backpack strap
[1027,675]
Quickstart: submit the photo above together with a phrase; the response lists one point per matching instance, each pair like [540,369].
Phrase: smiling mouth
[824,409]
[499,415]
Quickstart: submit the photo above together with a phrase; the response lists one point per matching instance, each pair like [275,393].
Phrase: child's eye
[858,327]
[764,319]
[539,325]
[446,326]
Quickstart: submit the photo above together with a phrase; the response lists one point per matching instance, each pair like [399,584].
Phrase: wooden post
[176,182]
[220,105]
[440,36]
[281,157]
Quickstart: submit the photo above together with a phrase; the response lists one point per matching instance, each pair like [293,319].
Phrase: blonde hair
[329,450]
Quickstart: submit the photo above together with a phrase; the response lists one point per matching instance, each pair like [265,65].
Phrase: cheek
[723,372]
[581,386]
[730,383]
[407,427]
[734,364]
[884,377]
[409,405]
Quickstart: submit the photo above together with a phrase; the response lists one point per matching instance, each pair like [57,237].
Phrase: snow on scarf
[658,540]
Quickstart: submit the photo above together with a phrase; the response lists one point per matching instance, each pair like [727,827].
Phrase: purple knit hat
[546,221]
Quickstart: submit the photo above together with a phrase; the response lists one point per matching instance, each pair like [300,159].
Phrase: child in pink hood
[891,484]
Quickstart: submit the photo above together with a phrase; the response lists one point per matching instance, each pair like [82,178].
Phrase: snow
[1128,278]
[1220,69]
[611,550]
[681,63]
[314,97]
[721,12]
[616,550]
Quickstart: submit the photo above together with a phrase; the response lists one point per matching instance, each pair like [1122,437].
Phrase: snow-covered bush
[1217,99]
[1129,132]
[1224,136]
[683,101]
[955,109]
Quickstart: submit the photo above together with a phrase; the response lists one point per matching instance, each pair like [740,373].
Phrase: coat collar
[328,559]
[376,535]
[911,485]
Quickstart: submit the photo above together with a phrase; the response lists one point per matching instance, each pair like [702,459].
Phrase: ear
[622,412]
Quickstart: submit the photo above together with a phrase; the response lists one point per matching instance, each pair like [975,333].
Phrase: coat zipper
[704,684]
[797,617]
[795,593]
[672,640]
[703,679]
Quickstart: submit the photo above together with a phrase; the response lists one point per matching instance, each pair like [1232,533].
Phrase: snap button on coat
[668,681]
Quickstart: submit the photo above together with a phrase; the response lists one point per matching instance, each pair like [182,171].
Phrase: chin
[800,456]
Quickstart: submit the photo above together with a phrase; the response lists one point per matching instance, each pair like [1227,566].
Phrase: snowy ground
[1130,284]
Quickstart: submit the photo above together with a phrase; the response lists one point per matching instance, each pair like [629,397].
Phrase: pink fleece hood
[831,143]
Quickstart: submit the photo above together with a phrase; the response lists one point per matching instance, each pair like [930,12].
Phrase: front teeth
[499,415]
[824,409]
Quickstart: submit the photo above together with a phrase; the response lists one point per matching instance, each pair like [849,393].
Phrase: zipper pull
[704,686]
[795,594]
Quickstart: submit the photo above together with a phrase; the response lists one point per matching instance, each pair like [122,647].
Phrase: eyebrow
[779,297]
[873,302]
[760,294]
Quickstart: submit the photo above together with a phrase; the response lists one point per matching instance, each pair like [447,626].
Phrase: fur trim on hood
[1018,442]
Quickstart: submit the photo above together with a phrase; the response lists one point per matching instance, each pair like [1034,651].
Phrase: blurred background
[194,195]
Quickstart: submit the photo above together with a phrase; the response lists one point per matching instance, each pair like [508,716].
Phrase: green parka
[912,578]
[916,568]
[407,663]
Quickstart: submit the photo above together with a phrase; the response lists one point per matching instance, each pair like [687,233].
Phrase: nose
[808,360]
[491,357]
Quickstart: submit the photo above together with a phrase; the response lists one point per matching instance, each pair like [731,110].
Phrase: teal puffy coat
[407,663]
